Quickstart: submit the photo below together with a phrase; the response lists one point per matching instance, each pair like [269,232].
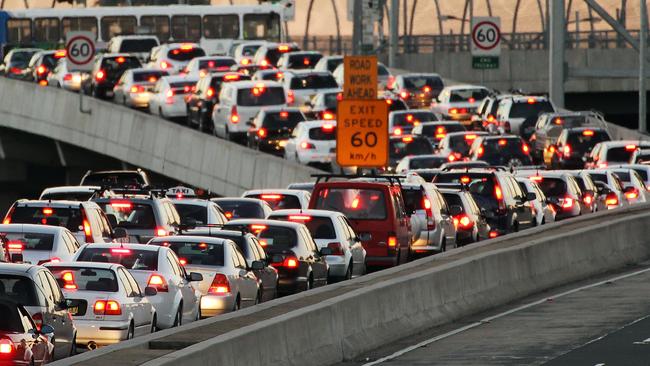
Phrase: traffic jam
[119,256]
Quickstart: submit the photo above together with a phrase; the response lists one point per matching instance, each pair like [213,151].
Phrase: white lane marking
[599,364]
[645,341]
[501,315]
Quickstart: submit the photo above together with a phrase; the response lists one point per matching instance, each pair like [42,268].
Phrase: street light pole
[394,33]
[556,53]
[643,42]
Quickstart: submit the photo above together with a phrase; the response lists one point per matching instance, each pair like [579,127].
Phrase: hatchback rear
[402,146]
[501,151]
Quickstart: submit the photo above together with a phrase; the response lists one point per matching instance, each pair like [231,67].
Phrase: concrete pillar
[556,53]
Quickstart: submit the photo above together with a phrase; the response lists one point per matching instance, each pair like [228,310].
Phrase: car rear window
[31,241]
[322,134]
[354,203]
[438,129]
[400,148]
[422,82]
[304,61]
[216,64]
[461,143]
[70,218]
[332,101]
[182,87]
[643,173]
[623,175]
[148,76]
[145,260]
[453,199]
[131,215]
[481,186]
[313,81]
[21,58]
[202,254]
[282,119]
[10,320]
[464,95]
[278,237]
[492,147]
[68,196]
[413,199]
[429,162]
[527,110]
[86,279]
[618,154]
[196,212]
[19,289]
[137,45]
[319,227]
[332,64]
[408,119]
[180,54]
[258,97]
[116,180]
[121,63]
[553,187]
[50,60]
[241,209]
[279,201]
[274,54]
[581,141]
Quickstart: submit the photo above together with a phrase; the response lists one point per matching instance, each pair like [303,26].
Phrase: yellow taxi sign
[362,133]
[360,77]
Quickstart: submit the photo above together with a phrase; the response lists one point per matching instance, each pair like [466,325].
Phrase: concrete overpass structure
[141,140]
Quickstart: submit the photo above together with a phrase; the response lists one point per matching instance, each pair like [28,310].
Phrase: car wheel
[178,320]
[31,362]
[310,282]
[131,332]
[154,324]
[258,297]
[73,346]
[443,247]
[237,304]
[348,274]
[160,112]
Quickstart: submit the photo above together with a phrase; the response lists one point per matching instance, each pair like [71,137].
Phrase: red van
[377,214]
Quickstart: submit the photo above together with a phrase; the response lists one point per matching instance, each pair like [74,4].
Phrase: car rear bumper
[102,332]
[337,265]
[291,284]
[212,305]
[315,157]
[381,261]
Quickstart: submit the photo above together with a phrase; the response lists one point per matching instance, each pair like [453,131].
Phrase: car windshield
[197,212]
[145,260]
[422,83]
[282,119]
[354,203]
[85,279]
[148,76]
[553,187]
[619,154]
[319,227]
[527,110]
[278,237]
[19,289]
[70,218]
[322,133]
[30,241]
[241,209]
[402,147]
[202,254]
[303,61]
[114,180]
[258,97]
[313,81]
[428,162]
[131,215]
[143,45]
[432,130]
[468,95]
[279,201]
[185,53]
[409,119]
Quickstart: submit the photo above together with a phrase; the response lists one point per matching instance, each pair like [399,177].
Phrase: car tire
[160,112]
[237,304]
[348,274]
[73,346]
[154,324]
[178,320]
[310,282]
[31,362]
[131,332]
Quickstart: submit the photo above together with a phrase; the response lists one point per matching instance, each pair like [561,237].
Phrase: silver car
[228,283]
[105,301]
[38,244]
[198,212]
[38,291]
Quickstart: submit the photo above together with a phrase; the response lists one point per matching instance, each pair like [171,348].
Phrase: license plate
[109,93]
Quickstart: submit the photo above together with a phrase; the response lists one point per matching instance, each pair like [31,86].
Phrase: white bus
[215,28]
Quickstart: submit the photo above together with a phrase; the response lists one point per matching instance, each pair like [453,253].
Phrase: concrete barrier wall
[143,140]
[414,297]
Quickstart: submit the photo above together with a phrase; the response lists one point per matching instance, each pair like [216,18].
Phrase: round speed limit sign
[80,50]
[486,36]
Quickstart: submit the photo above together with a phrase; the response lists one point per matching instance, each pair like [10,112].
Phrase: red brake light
[59,54]
[120,60]
[6,346]
[68,281]
[503,142]
[107,307]
[471,137]
[228,215]
[307,145]
[337,248]
[165,65]
[407,139]
[328,116]
[397,131]
[137,89]
[290,262]
[299,218]
[272,197]
[328,127]
[158,282]
[536,178]
[291,97]
[121,251]
[231,77]
[404,94]
[632,194]
[38,320]
[261,132]
[256,228]
[471,100]
[279,75]
[15,246]
[245,61]
[100,75]
[126,205]
[567,202]
[566,150]
[480,151]
[465,179]
[234,117]
[493,234]
[284,114]
[389,101]
[453,110]
[41,70]
[161,232]
[283,48]
[67,77]
[305,61]
[498,193]
[210,93]
[525,148]
[392,241]
[587,199]
[463,221]
[531,100]
[187,46]
[220,285]
[587,133]
[47,211]
[87,231]
[611,199]
[630,147]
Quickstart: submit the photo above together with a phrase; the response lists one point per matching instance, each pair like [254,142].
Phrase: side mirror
[46,329]
[257,265]
[365,237]
[455,210]
[531,196]
[112,220]
[195,277]
[63,305]
[120,233]
[150,291]
[325,251]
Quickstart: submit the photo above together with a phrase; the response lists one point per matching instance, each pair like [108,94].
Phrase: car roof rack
[391,178]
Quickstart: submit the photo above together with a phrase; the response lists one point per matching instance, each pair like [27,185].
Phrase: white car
[73,193]
[139,45]
[105,301]
[281,198]
[135,86]
[38,244]
[543,212]
[167,99]
[199,212]
[62,78]
[240,101]
[312,142]
[299,60]
[328,63]
[459,102]
[611,153]
[201,66]
[245,51]
[642,169]
[633,185]
[331,229]
[303,85]
[174,57]
[325,105]
[272,75]
[228,284]
[517,110]
[177,300]
[609,186]
[455,145]
[402,122]
[412,162]
[268,54]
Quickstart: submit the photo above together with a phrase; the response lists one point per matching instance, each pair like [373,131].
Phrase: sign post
[486,42]
[80,55]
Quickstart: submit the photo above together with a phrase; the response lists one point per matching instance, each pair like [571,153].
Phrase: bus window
[157,25]
[186,27]
[221,26]
[46,30]
[112,26]
[19,31]
[88,24]
[262,26]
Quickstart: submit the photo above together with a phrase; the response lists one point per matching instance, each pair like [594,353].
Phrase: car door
[184,286]
[247,280]
[356,249]
[65,332]
[127,297]
[447,220]
[318,265]
[268,275]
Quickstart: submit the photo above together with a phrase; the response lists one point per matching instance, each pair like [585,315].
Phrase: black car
[16,63]
[436,131]
[243,208]
[563,192]
[106,72]
[505,206]
[252,251]
[201,102]
[573,146]
[21,341]
[293,252]
[471,224]
[402,146]
[507,150]
[272,127]
[42,63]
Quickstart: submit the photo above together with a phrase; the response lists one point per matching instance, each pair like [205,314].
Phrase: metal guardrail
[607,39]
